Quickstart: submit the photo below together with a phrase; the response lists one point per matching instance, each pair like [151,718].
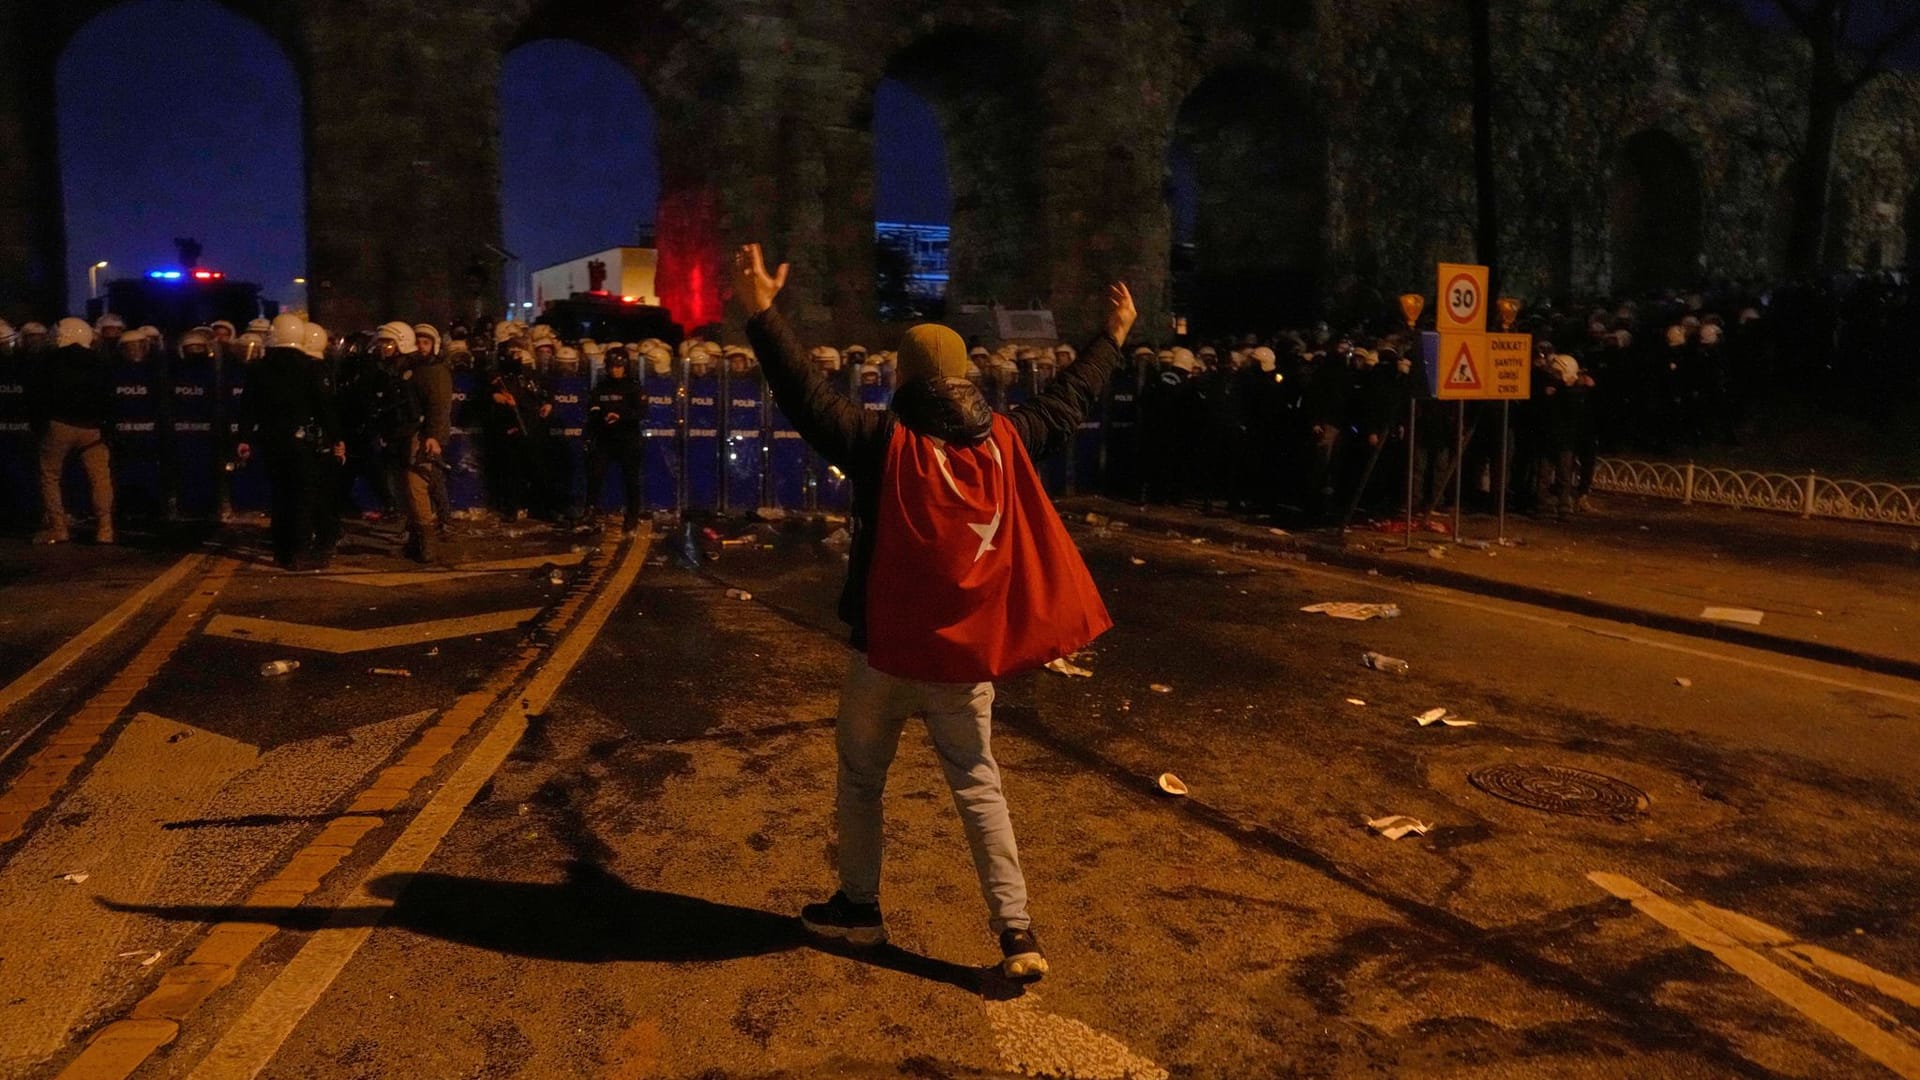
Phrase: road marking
[247,1047]
[333,639]
[120,1047]
[401,578]
[1752,931]
[62,658]
[1886,1047]
[60,943]
[49,770]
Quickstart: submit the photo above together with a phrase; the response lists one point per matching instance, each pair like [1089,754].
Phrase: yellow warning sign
[1463,367]
[1479,367]
[1511,356]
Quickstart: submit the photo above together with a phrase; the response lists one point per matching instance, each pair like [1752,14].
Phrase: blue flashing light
[164,275]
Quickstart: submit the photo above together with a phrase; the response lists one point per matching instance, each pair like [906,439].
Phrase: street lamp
[93,280]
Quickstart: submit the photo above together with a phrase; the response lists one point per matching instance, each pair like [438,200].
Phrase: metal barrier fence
[1807,494]
[710,442]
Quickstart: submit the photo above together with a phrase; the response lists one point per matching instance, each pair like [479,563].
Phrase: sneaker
[50,536]
[844,920]
[1020,955]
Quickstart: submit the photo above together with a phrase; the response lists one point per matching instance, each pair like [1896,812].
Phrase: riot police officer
[517,427]
[614,408]
[432,381]
[395,416]
[288,414]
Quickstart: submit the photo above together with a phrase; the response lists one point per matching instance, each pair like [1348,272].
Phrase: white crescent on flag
[986,530]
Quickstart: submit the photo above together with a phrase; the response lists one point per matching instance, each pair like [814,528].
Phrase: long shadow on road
[591,917]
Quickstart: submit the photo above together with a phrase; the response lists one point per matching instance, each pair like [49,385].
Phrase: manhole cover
[1559,790]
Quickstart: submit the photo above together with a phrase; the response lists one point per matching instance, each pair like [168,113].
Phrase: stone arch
[34,256]
[1656,213]
[1250,152]
[592,183]
[912,204]
[674,53]
[220,157]
[985,87]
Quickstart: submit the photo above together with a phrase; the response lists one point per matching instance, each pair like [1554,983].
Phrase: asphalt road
[611,892]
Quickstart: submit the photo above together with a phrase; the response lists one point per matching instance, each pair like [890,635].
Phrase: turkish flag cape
[973,575]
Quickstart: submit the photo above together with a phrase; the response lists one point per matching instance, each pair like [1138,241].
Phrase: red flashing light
[629,299]
[207,275]
[598,292]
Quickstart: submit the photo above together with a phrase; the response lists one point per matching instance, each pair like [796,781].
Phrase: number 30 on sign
[1463,298]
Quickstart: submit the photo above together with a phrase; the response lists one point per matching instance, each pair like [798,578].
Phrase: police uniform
[289,417]
[614,408]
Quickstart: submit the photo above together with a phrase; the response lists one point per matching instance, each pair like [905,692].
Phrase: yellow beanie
[932,351]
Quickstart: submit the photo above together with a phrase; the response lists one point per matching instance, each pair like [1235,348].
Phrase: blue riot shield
[569,422]
[790,464]
[832,491]
[192,457]
[660,442]
[19,472]
[703,442]
[744,423]
[1084,454]
[139,392]
[1120,475]
[466,487]
[247,489]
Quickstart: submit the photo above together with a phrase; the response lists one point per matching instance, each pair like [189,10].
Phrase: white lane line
[1753,932]
[62,658]
[1597,627]
[251,1043]
[1886,1047]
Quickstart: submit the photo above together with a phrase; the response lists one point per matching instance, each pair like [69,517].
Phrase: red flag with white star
[973,575]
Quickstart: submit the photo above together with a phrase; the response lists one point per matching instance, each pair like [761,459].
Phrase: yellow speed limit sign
[1463,299]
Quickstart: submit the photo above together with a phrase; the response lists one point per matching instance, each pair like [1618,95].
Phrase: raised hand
[1120,312]
[752,285]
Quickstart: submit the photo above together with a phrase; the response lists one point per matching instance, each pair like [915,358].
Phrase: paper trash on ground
[1439,715]
[1395,826]
[1354,611]
[1744,616]
[1064,666]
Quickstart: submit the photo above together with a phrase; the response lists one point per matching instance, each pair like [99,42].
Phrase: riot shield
[702,443]
[660,442]
[138,389]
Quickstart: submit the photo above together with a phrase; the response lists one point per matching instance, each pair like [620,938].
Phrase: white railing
[1807,494]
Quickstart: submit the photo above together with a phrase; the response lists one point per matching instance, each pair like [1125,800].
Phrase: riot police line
[709,438]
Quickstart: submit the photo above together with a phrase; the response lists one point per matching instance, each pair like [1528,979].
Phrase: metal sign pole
[1413,423]
[1505,454]
[1459,462]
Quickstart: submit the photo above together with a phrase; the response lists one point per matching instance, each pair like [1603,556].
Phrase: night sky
[152,148]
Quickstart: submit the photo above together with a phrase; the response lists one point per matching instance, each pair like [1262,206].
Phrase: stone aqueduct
[1329,140]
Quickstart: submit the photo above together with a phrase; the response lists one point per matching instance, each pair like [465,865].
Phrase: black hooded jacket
[856,440]
[74,386]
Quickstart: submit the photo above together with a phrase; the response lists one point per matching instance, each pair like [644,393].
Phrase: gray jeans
[873,709]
